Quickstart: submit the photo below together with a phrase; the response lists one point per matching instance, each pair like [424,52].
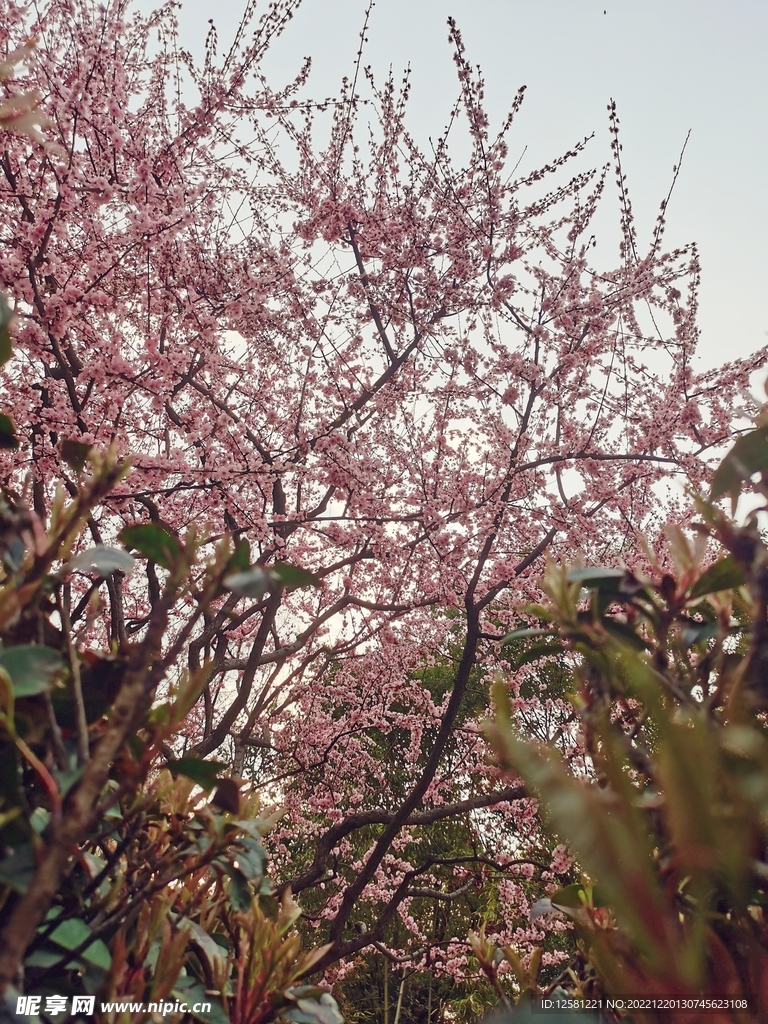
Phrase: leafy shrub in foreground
[111,884]
[671,828]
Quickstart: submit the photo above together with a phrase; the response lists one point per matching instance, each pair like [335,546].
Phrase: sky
[671,65]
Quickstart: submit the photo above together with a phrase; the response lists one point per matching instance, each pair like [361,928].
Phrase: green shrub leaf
[293,577]
[75,453]
[17,870]
[239,891]
[313,1008]
[538,651]
[722,575]
[594,576]
[204,773]
[241,558]
[699,632]
[193,993]
[71,934]
[31,668]
[748,456]
[251,859]
[154,541]
[521,634]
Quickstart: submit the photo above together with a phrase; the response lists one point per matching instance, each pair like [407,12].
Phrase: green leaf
[578,895]
[70,933]
[39,819]
[97,954]
[75,453]
[255,827]
[31,668]
[292,577]
[570,900]
[204,773]
[102,561]
[699,632]
[748,456]
[207,946]
[43,958]
[315,1007]
[239,890]
[73,933]
[8,437]
[193,993]
[6,315]
[592,577]
[520,634]
[725,574]
[573,895]
[68,778]
[154,541]
[538,651]
[252,583]
[241,558]
[606,580]
[17,870]
[613,847]
[250,858]
[136,746]
[625,634]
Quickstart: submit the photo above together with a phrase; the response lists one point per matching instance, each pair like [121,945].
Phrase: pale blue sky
[671,65]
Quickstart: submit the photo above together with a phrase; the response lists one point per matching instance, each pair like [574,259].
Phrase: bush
[668,818]
[111,884]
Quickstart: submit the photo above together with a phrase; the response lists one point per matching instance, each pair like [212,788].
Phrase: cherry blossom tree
[398,369]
